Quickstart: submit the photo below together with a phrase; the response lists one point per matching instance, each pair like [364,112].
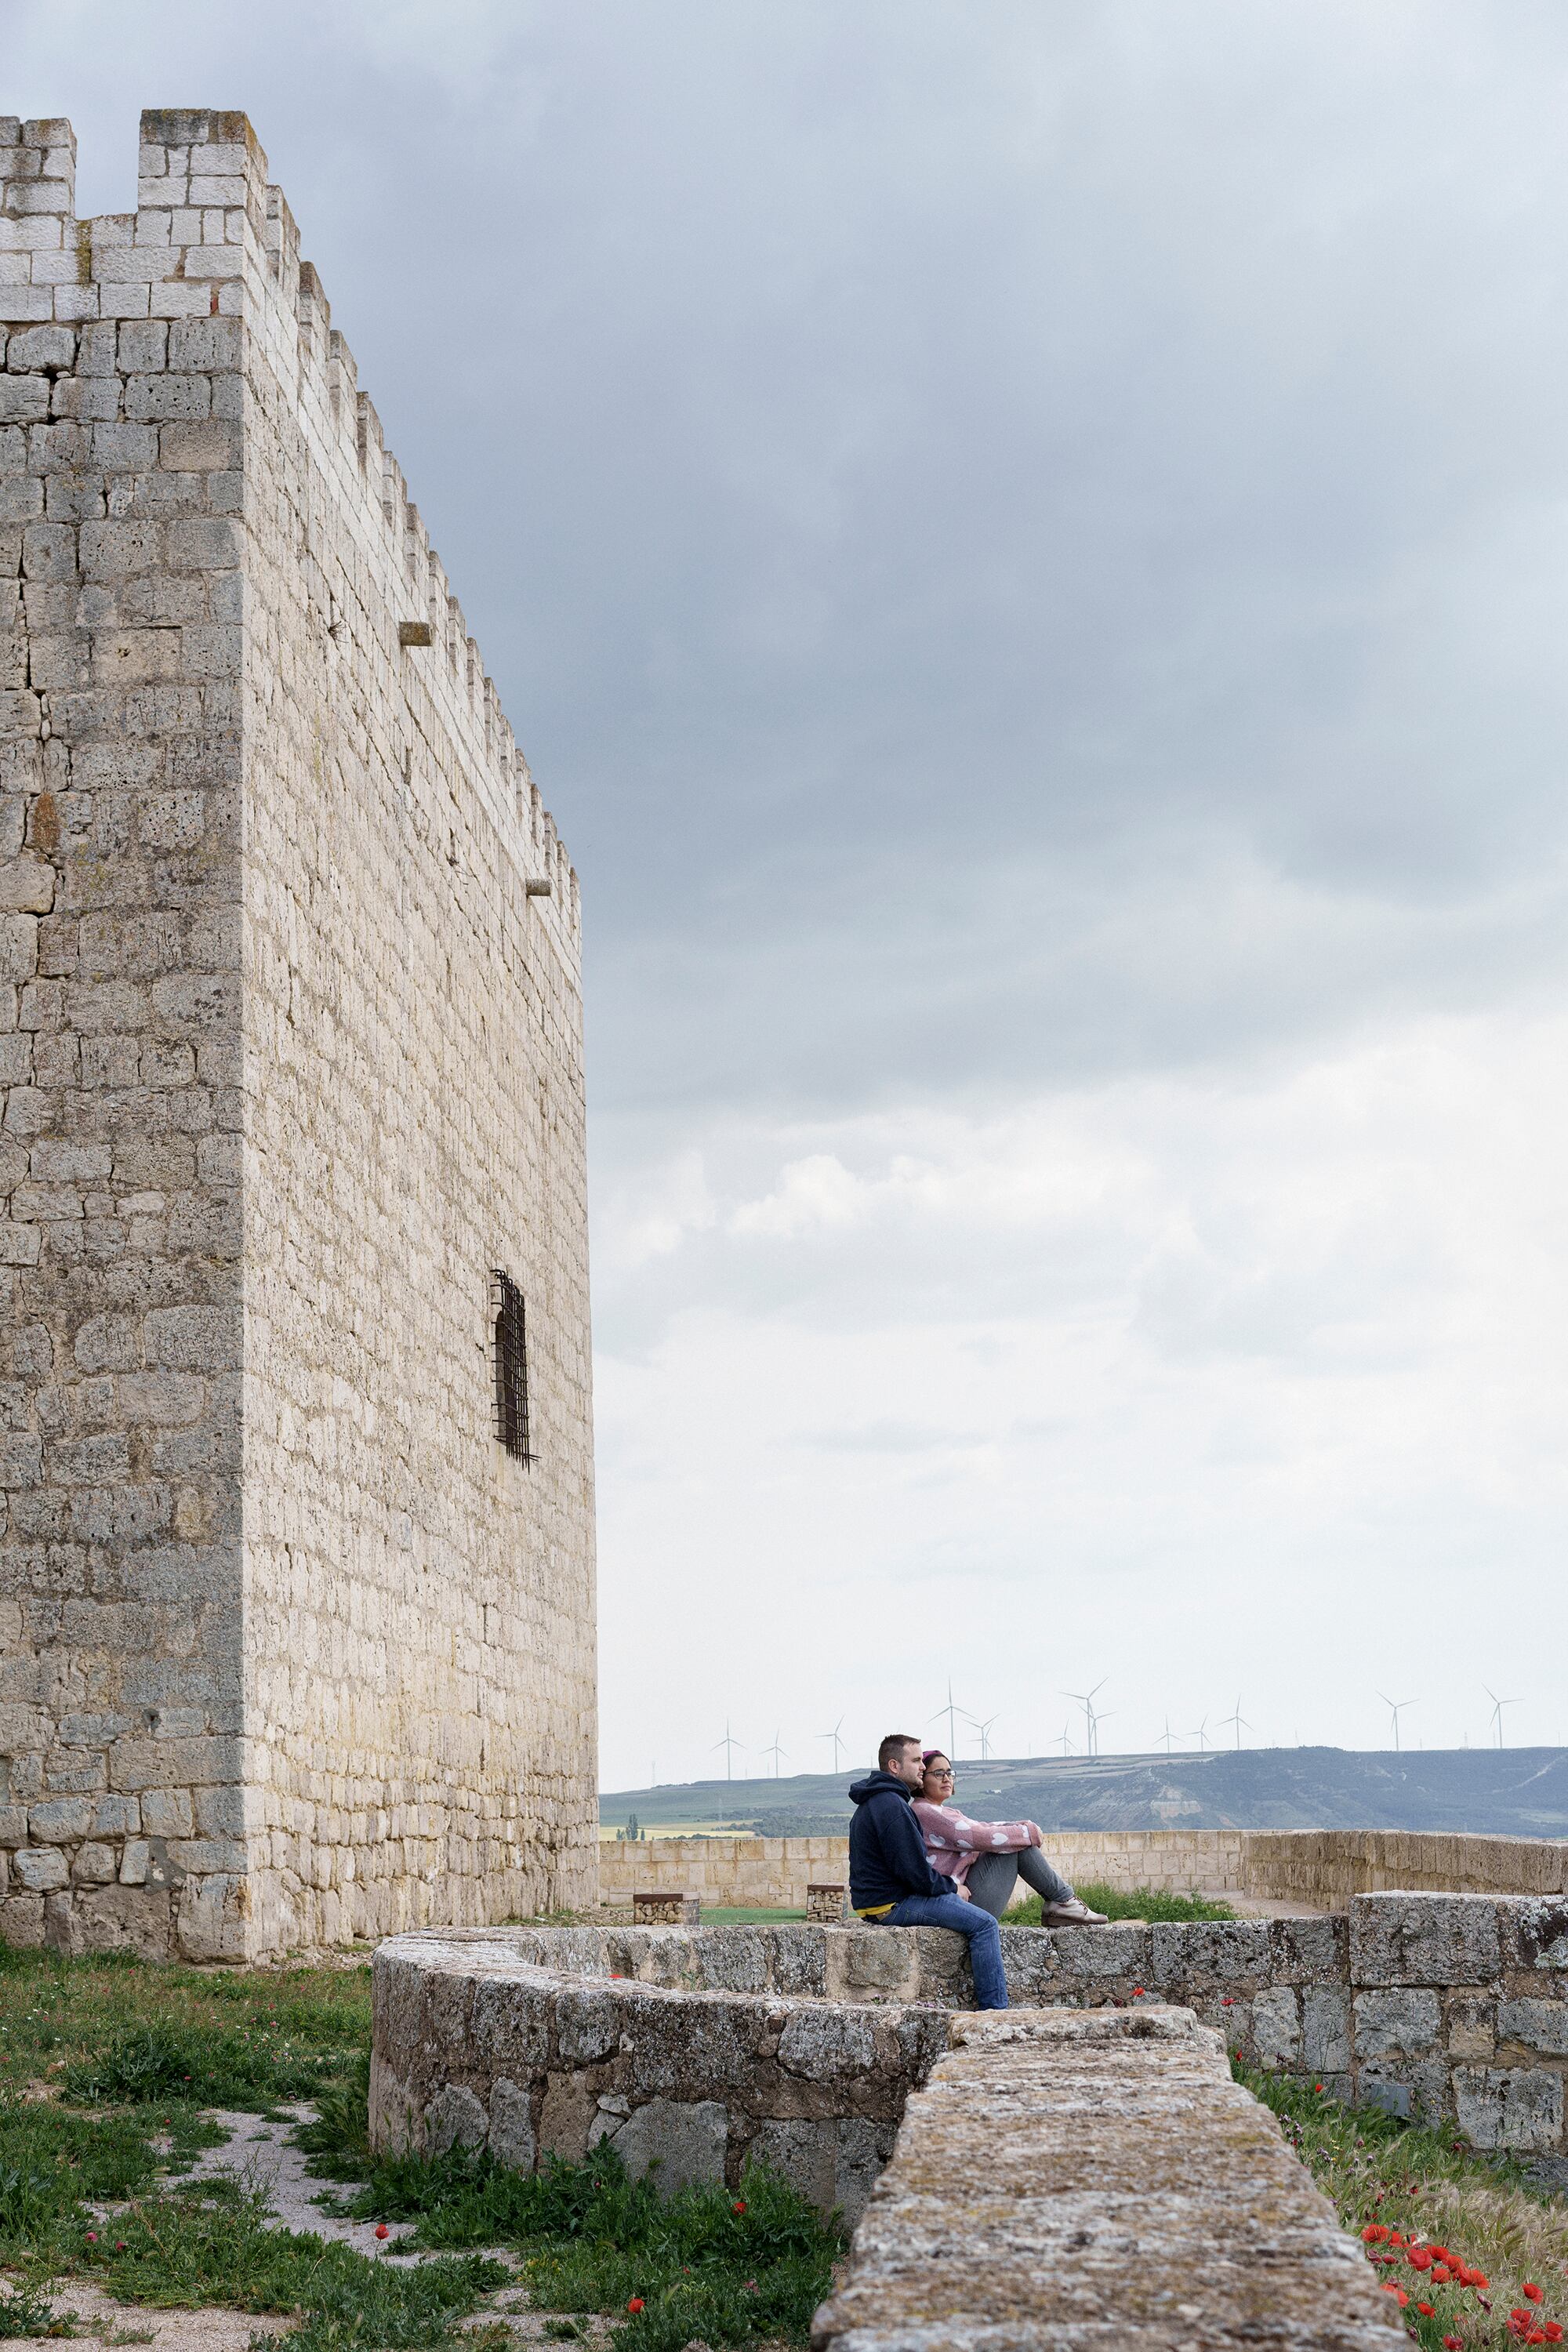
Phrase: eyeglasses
[939,1772]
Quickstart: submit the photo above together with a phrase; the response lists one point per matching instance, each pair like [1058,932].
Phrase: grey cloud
[936,489]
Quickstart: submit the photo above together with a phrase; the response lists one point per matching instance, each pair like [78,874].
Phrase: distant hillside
[1508,1791]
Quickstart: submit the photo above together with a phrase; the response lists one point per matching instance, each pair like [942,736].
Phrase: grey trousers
[991,1879]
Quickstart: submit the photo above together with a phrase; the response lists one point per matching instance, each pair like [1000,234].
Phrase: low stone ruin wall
[700,2049]
[1093,2179]
[1320,1869]
[706,2047]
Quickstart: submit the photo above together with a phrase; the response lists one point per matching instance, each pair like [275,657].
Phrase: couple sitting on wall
[915,1861]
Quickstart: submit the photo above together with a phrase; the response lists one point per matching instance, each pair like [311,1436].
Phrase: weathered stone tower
[297,1566]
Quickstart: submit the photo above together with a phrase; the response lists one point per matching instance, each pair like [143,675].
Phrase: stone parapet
[1095,2180]
[1319,1869]
[1452,2009]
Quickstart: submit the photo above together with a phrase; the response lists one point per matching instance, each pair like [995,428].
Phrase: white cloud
[1196,1384]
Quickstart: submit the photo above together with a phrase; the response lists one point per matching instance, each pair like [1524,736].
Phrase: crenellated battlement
[212,237]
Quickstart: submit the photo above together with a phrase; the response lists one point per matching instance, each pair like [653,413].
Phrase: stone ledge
[1078,2180]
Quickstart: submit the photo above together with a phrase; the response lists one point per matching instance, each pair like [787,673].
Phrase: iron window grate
[509,1347]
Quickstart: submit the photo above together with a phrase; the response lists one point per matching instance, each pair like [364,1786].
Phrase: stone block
[455,2117]
[569,2112]
[1509,2106]
[62,1818]
[21,1921]
[685,2139]
[1090,1957]
[123,1919]
[1423,1939]
[1234,1954]
[1536,1934]
[211,1920]
[1326,2030]
[1404,2023]
[826,2042]
[1537,2024]
[1415,2088]
[1277,2026]
[1308,1951]
[587,2025]
[39,1870]
[511,2138]
[872,1963]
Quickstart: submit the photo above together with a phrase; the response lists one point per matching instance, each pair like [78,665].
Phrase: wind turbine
[953,1711]
[984,1731]
[775,1751]
[1239,1720]
[1395,1708]
[1086,1700]
[837,1742]
[1498,1706]
[1168,1734]
[727,1743]
[1066,1742]
[1202,1736]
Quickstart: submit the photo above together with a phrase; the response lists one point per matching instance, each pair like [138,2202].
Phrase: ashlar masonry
[297,1563]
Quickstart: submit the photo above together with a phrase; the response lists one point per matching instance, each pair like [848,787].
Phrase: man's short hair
[891,1745]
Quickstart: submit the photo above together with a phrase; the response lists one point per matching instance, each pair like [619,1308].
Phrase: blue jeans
[983,1934]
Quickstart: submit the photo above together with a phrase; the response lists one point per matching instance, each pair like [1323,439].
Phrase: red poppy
[1395,2238]
[1137,1992]
[636,2305]
[1453,2344]
[1427,2310]
[381,2231]
[1531,2292]
[738,2206]
[1316,2086]
[1552,2331]
[1441,2275]
[1420,2258]
[1375,2234]
[1479,2281]
[1397,2292]
[1226,2001]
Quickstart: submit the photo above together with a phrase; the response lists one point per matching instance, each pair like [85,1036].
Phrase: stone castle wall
[1320,1869]
[289,1034]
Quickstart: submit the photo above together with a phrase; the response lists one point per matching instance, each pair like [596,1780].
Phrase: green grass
[121,2059]
[731,2269]
[1429,2186]
[1130,1902]
[115,2030]
[724,1914]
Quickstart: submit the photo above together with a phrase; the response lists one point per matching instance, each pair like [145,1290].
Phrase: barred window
[509,1348]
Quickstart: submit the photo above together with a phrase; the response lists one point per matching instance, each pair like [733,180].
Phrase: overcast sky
[1025,545]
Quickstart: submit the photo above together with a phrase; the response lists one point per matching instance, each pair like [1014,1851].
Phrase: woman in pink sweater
[988,1858]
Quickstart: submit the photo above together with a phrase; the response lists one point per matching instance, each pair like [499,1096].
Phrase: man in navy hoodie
[892,1882]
